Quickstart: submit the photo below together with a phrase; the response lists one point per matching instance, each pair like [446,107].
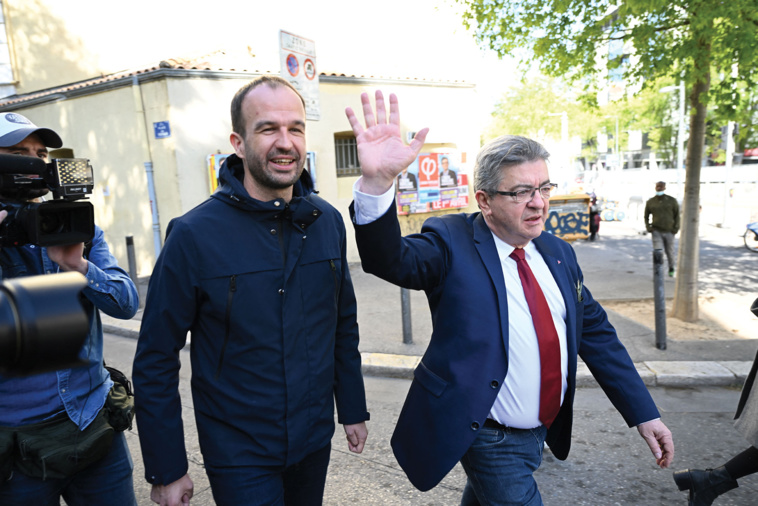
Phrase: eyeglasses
[527,194]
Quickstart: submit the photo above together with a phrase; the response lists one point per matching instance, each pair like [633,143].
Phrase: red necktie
[550,348]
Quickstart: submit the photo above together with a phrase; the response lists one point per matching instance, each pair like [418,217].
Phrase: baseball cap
[14,128]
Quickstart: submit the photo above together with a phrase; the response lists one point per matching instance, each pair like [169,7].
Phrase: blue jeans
[500,466]
[301,484]
[107,481]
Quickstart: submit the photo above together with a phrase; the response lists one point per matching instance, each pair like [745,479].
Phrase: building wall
[420,106]
[45,49]
[115,130]
[107,129]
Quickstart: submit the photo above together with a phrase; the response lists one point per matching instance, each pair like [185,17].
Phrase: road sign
[298,66]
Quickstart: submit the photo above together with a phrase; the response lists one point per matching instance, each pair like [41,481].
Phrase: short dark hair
[501,153]
[238,121]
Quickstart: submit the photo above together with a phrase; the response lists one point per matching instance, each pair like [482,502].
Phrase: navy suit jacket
[454,260]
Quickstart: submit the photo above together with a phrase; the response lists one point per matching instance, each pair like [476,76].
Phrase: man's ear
[238,143]
[483,200]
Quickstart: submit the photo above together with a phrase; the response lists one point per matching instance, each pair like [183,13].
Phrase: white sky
[395,38]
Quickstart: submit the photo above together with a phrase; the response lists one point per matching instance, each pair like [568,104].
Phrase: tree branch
[659,29]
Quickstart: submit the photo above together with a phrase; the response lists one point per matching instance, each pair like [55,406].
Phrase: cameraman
[63,412]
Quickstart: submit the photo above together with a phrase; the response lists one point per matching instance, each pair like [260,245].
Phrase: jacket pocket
[429,380]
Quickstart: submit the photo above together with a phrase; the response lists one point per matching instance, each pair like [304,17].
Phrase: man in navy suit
[476,395]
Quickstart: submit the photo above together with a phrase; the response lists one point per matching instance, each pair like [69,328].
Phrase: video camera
[43,324]
[62,220]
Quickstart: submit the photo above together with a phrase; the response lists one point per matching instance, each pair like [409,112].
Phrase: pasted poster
[214,161]
[434,181]
[214,165]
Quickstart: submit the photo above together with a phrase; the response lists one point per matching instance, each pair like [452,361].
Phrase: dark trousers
[107,481]
[301,484]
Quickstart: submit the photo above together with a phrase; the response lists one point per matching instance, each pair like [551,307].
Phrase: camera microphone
[15,164]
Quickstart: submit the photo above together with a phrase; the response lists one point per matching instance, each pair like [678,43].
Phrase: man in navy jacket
[476,393]
[258,274]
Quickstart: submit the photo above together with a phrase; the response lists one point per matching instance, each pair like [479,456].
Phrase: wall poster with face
[433,182]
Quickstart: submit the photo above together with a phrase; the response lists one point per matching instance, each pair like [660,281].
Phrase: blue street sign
[161,129]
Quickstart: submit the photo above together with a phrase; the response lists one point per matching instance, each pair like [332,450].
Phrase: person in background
[594,217]
[70,402]
[662,221]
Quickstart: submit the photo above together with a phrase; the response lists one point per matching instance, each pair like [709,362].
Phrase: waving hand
[381,151]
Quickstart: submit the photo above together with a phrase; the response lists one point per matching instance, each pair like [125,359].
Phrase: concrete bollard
[131,257]
[405,306]
[659,292]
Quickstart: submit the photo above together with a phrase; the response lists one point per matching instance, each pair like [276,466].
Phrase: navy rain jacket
[265,291]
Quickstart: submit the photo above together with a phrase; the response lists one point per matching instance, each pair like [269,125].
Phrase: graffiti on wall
[561,224]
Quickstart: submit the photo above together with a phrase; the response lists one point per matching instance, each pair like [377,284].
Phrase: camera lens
[42,323]
[50,223]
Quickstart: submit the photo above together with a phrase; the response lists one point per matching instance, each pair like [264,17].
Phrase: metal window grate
[346,154]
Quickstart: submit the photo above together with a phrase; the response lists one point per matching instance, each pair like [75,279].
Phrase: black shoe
[704,486]
[671,273]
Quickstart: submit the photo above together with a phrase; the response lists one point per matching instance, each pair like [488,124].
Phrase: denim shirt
[80,392]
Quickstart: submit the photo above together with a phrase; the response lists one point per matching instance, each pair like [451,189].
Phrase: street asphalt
[695,383]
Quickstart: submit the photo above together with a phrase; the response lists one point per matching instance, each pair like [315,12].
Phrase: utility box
[569,217]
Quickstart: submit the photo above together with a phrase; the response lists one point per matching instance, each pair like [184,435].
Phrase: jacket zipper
[336,281]
[227,320]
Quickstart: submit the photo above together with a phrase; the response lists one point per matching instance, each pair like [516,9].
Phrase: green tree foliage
[680,39]
[523,110]
[525,107]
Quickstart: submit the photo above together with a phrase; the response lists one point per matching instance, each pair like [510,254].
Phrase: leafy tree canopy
[571,39]
[524,107]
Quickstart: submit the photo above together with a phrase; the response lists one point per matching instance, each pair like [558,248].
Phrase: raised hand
[381,151]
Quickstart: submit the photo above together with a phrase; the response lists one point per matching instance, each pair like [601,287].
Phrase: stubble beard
[256,167]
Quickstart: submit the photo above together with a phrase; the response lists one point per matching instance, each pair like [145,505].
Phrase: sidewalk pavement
[617,267]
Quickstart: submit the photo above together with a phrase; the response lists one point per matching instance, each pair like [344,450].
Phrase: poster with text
[433,182]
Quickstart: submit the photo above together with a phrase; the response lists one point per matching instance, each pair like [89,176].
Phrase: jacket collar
[302,210]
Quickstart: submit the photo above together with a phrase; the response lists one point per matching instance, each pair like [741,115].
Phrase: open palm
[381,151]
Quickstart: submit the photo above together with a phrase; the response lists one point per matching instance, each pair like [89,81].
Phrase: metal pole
[405,305]
[132,259]
[680,144]
[153,208]
[727,170]
[660,300]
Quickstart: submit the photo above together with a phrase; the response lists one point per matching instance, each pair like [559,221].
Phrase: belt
[492,424]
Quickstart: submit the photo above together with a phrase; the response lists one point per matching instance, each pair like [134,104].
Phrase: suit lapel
[485,245]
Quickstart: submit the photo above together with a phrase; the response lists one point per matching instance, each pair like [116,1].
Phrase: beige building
[162,123]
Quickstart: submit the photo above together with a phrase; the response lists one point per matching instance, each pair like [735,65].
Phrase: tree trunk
[685,305]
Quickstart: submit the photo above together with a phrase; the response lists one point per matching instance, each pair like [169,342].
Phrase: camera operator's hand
[70,257]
